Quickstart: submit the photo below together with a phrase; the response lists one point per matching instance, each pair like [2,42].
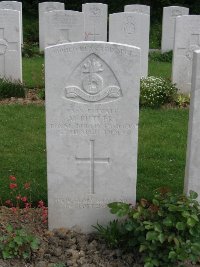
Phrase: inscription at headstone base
[46,7]
[63,26]
[187,40]
[10,45]
[133,29]
[168,25]
[92,110]
[95,21]
[192,179]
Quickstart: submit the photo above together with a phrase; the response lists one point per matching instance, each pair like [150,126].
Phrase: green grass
[22,146]
[162,150]
[161,160]
[33,76]
[160,69]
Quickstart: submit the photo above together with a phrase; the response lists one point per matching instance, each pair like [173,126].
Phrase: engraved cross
[94,34]
[5,46]
[64,35]
[92,160]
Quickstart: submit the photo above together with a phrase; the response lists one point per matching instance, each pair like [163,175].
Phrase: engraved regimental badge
[93,81]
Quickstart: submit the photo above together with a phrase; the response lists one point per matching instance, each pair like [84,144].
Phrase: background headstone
[10,45]
[187,40]
[168,25]
[92,110]
[137,8]
[46,7]
[133,29]
[63,26]
[95,21]
[14,5]
[192,177]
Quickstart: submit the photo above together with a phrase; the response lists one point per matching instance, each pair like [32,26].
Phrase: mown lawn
[33,72]
[22,146]
[161,160]
[160,69]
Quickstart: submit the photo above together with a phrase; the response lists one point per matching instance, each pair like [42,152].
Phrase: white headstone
[14,5]
[187,40]
[92,109]
[133,29]
[10,45]
[95,21]
[192,178]
[46,7]
[63,26]
[137,8]
[168,25]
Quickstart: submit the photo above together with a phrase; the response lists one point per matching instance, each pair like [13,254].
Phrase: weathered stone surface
[92,108]
[132,29]
[63,26]
[14,5]
[46,7]
[137,8]
[168,25]
[95,21]
[192,178]
[187,40]
[10,45]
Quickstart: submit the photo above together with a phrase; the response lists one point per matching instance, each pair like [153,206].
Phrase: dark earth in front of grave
[71,248]
[62,246]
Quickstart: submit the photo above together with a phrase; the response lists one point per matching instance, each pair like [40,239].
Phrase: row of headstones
[62,26]
[180,32]
[92,22]
[130,28]
[92,113]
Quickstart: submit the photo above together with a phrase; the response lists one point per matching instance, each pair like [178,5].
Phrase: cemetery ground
[161,163]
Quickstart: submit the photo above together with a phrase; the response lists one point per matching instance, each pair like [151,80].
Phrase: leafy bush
[182,100]
[17,243]
[30,50]
[11,88]
[158,56]
[41,94]
[156,91]
[155,35]
[31,30]
[165,231]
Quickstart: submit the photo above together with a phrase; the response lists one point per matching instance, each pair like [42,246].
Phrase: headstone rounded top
[64,11]
[180,7]
[137,8]
[130,14]
[93,44]
[49,6]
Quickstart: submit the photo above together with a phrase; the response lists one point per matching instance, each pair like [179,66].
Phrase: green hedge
[31,7]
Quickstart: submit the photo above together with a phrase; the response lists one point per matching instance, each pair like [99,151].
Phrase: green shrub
[155,35]
[156,91]
[41,94]
[182,100]
[30,50]
[158,56]
[17,243]
[31,30]
[9,88]
[165,231]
